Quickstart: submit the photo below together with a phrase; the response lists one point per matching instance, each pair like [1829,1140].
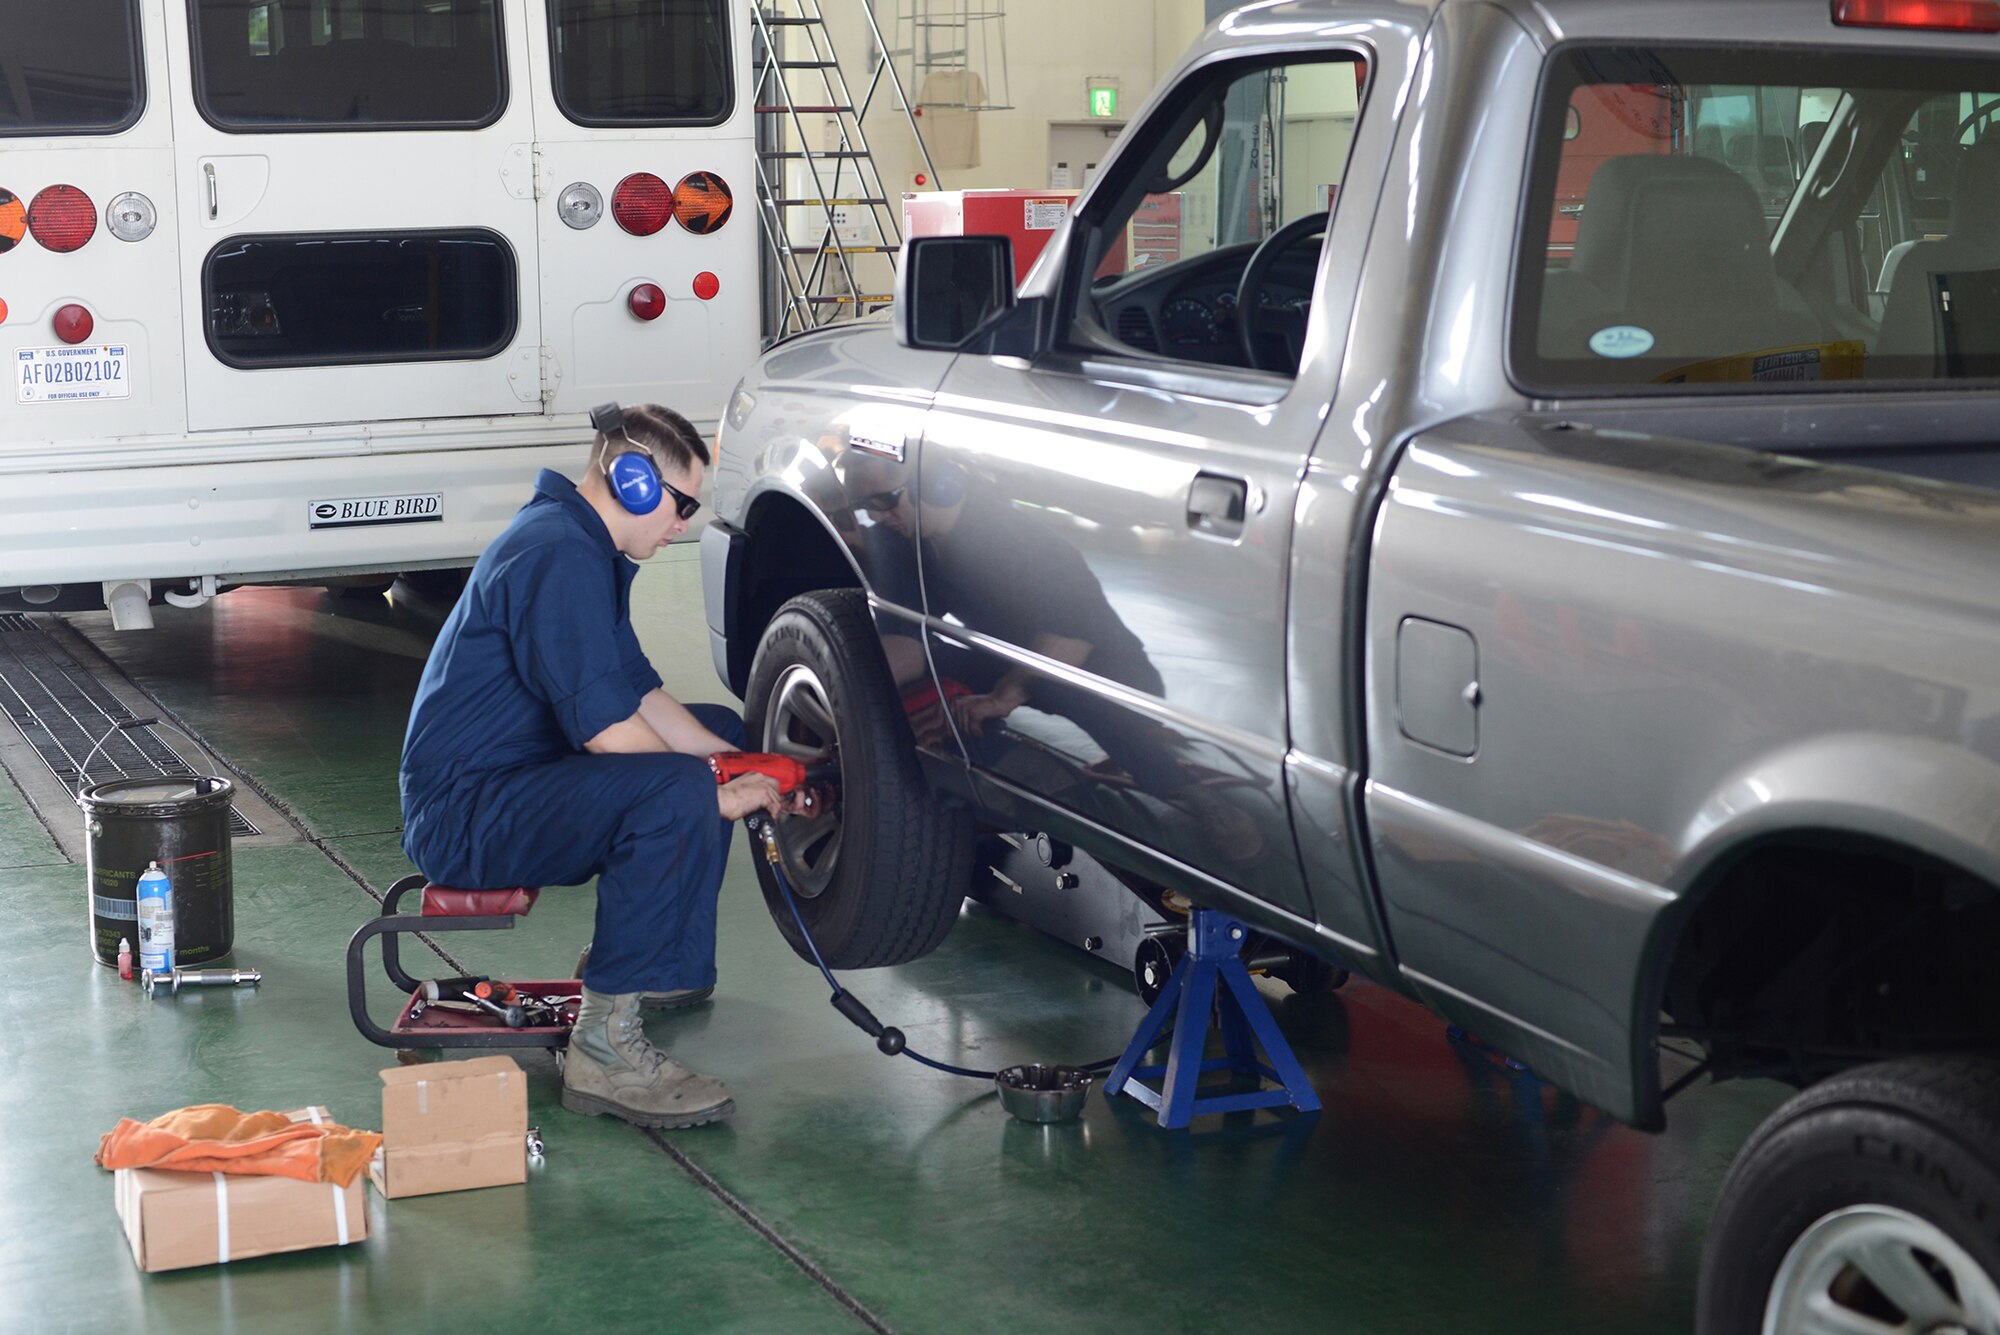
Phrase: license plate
[422,507]
[72,375]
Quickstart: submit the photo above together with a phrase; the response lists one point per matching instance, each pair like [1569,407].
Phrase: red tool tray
[463,1015]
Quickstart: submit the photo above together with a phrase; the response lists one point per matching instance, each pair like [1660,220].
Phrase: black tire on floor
[1913,1137]
[892,888]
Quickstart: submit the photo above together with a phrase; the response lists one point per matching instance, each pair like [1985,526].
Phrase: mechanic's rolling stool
[444,1013]
[1212,971]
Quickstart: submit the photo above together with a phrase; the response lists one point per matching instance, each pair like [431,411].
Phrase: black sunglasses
[685,503]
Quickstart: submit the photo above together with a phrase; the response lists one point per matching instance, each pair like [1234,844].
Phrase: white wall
[1052,47]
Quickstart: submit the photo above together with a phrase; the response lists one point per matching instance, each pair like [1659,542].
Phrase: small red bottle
[124,958]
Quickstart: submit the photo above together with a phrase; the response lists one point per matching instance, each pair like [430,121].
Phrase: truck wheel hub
[1883,1264]
[800,723]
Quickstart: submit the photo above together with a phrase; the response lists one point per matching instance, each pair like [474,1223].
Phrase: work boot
[612,1068]
[659,1001]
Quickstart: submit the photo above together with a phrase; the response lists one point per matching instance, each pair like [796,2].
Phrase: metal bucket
[1043,1092]
[180,823]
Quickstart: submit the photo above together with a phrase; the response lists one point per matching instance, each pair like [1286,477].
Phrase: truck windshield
[1713,218]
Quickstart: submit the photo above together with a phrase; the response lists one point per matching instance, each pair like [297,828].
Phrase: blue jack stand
[1212,969]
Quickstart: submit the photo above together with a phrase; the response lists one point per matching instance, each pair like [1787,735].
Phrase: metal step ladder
[833,197]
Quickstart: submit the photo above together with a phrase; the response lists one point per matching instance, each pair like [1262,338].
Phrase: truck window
[1259,150]
[1655,251]
[331,300]
[641,62]
[276,65]
[68,69]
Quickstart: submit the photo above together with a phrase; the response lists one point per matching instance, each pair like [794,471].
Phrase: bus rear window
[71,68]
[641,62]
[1708,218]
[266,65]
[343,300]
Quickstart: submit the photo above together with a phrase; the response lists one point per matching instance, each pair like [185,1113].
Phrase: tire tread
[920,845]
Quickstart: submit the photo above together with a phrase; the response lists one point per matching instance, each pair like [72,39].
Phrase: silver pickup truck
[1500,494]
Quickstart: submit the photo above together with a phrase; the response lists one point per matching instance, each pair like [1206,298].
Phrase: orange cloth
[216,1138]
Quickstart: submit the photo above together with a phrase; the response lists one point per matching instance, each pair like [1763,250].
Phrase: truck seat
[1677,246]
[1909,330]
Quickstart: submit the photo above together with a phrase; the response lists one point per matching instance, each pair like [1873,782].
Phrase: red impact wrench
[790,774]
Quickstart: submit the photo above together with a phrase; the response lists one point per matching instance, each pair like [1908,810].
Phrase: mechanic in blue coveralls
[542,751]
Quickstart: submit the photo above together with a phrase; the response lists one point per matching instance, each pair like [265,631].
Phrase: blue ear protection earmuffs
[634,479]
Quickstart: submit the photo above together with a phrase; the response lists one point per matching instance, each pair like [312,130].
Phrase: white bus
[305,290]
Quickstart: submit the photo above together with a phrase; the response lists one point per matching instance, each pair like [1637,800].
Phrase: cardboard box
[175,1220]
[451,1126]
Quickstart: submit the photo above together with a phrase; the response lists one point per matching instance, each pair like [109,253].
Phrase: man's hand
[759,792]
[747,793]
[973,712]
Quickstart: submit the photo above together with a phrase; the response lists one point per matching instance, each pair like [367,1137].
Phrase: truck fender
[1916,792]
[1910,792]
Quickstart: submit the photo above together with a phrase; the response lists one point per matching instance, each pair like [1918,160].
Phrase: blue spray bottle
[156,920]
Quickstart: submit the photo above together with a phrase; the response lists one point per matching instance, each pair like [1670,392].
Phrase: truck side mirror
[948,286]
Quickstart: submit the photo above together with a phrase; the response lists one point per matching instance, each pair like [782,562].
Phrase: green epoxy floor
[1437,1192]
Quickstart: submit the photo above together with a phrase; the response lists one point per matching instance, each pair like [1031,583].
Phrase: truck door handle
[214,199]
[1216,504]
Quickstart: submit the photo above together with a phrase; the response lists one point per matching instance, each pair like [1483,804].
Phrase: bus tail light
[13,220]
[703,202]
[73,323]
[62,218]
[647,301]
[642,203]
[1951,15]
[131,216]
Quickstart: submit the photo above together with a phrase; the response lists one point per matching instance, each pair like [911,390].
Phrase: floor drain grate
[62,709]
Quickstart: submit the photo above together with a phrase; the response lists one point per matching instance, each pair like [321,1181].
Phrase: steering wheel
[1273,338]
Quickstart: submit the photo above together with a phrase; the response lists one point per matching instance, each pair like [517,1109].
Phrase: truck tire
[1873,1195]
[880,875]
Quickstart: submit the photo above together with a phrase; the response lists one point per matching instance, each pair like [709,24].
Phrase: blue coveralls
[537,658]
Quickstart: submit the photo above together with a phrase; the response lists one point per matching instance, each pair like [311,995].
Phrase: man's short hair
[661,432]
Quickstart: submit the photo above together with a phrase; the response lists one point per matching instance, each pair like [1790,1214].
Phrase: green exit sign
[1104,102]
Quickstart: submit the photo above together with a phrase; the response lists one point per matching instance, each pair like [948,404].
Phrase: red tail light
[1953,15]
[702,202]
[62,218]
[642,203]
[647,301]
[73,323]
[706,285]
